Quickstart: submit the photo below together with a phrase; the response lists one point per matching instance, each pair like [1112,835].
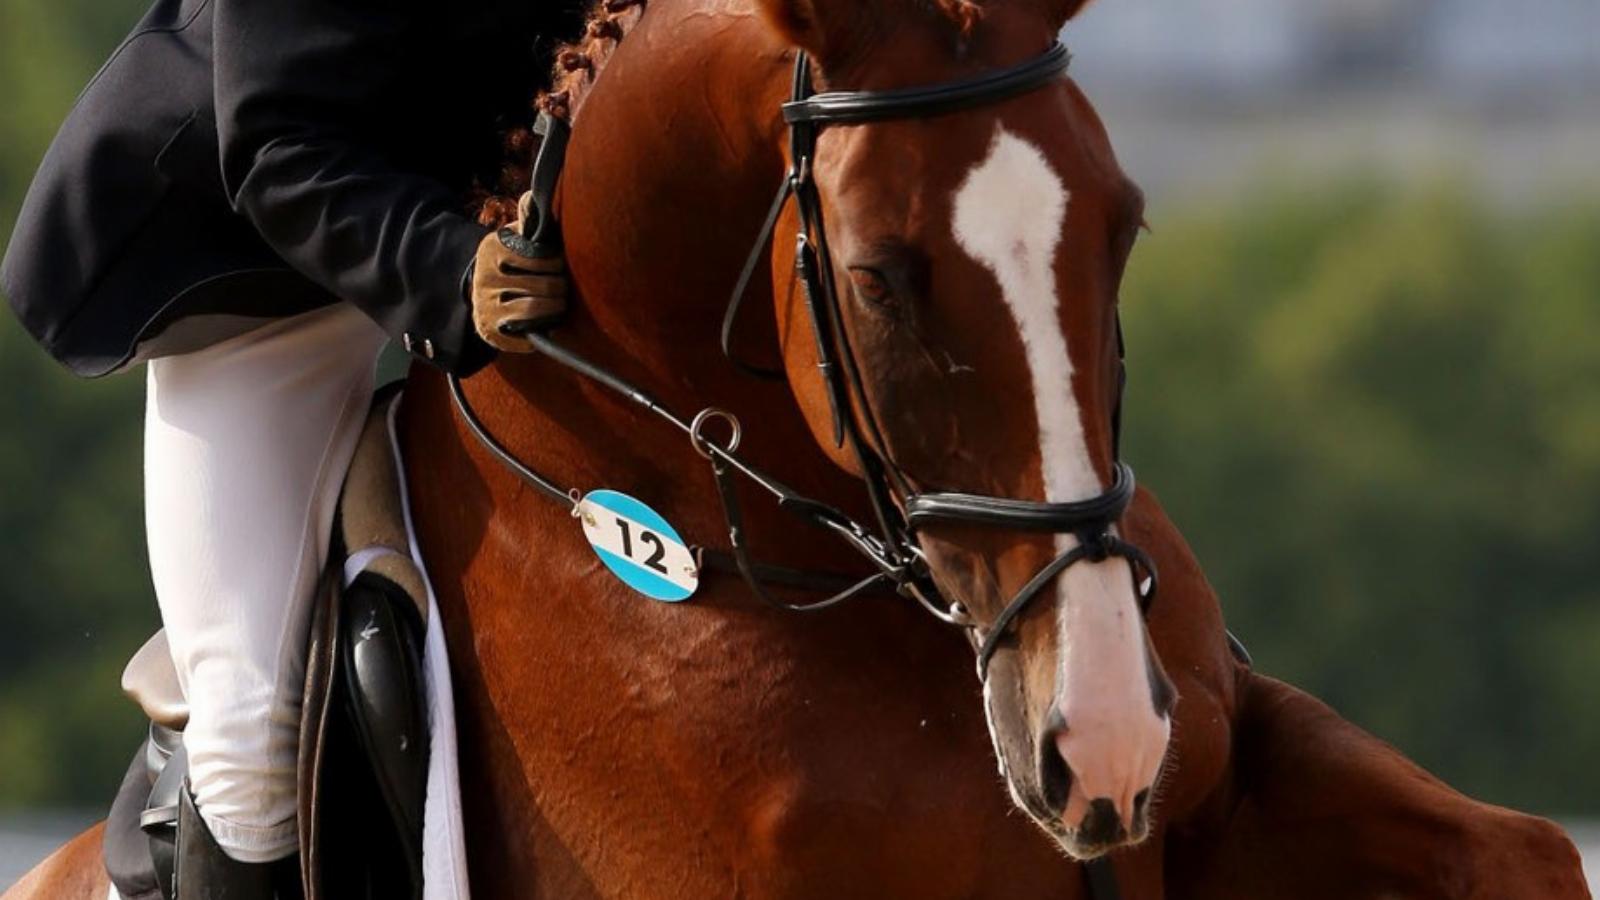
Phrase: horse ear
[1071,8]
[1060,12]
[796,21]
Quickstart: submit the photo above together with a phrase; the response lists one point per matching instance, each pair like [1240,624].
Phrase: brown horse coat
[615,747]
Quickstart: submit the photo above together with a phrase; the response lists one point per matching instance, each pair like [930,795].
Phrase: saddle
[364,728]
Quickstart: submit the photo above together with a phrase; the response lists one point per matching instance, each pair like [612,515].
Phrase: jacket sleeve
[301,159]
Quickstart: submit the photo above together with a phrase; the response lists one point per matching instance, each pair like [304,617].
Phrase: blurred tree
[75,595]
[1377,417]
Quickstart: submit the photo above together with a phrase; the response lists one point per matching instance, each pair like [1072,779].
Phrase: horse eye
[871,286]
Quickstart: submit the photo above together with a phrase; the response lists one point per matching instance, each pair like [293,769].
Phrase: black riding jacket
[237,160]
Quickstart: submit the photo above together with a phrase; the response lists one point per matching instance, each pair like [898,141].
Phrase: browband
[920,102]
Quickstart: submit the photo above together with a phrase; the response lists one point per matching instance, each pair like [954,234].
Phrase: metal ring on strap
[702,444]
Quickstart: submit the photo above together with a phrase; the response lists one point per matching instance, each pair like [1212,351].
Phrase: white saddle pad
[444,849]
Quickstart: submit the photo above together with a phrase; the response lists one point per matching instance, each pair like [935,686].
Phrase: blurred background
[1365,379]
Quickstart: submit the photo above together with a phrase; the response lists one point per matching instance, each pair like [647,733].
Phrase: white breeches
[246,447]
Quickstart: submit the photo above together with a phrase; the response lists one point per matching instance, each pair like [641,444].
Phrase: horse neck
[675,155]
[666,182]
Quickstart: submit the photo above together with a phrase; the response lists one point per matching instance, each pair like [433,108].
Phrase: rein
[892,547]
[724,461]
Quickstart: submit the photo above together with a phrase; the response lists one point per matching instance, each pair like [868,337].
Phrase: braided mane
[964,14]
[577,66]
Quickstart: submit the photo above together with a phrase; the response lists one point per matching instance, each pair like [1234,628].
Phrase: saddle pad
[444,849]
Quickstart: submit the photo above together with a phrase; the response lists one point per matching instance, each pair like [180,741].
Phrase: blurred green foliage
[1376,416]
[75,600]
[1374,412]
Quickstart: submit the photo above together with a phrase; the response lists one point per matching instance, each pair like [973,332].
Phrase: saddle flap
[371,521]
[151,681]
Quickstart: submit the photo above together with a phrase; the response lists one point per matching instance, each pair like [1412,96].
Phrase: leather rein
[892,546]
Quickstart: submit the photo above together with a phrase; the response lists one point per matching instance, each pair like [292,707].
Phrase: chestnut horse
[617,747]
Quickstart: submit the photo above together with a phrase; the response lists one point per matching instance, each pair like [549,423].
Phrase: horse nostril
[1141,812]
[1055,777]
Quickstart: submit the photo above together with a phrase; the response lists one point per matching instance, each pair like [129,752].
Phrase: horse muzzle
[1087,817]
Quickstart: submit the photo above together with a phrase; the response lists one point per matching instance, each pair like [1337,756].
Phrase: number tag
[638,546]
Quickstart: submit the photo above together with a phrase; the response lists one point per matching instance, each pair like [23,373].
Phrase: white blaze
[1009,215]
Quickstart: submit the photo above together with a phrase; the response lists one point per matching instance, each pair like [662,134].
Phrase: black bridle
[892,547]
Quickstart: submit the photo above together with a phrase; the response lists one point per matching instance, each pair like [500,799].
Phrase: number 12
[648,537]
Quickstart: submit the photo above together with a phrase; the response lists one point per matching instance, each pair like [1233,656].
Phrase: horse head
[975,254]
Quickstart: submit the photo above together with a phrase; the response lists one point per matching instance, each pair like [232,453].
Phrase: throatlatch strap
[742,286]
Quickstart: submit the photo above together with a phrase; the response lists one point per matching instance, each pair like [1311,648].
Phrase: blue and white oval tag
[638,546]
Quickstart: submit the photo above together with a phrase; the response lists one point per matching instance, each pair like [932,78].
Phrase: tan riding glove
[516,286]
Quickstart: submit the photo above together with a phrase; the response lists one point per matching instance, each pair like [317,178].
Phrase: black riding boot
[204,872]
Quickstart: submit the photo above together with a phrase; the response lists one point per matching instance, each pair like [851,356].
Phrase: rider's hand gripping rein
[519,281]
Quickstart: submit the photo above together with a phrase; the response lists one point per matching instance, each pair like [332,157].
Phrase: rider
[241,198]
